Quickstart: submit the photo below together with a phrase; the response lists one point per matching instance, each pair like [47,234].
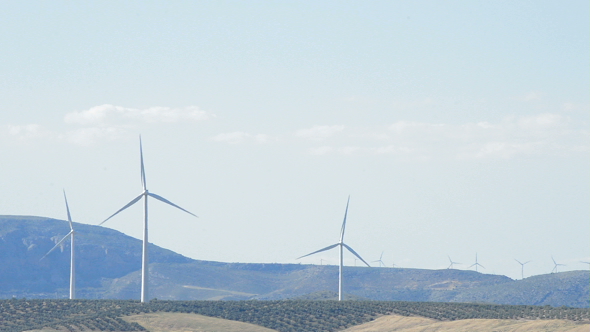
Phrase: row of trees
[286,315]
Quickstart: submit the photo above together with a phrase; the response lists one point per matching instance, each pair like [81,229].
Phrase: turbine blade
[68,209]
[519,262]
[143,183]
[324,249]
[160,198]
[60,241]
[344,222]
[481,265]
[123,208]
[354,253]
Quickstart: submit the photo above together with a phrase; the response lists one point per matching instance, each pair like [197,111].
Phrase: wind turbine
[555,265]
[522,267]
[476,264]
[380,260]
[145,194]
[72,254]
[342,245]
[452,263]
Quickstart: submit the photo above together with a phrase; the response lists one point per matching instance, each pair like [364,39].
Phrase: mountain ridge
[112,262]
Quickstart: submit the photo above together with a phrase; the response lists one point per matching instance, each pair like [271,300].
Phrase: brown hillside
[419,324]
[172,322]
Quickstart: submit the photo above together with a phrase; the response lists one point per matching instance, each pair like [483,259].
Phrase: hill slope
[286,316]
[418,324]
[109,263]
[168,322]
[103,254]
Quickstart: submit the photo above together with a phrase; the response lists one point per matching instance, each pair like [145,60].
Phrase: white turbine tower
[476,264]
[72,253]
[522,267]
[380,260]
[145,194]
[342,245]
[452,263]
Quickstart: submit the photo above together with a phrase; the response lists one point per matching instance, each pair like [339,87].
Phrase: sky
[457,128]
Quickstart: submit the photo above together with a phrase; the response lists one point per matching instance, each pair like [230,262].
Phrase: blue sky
[456,127]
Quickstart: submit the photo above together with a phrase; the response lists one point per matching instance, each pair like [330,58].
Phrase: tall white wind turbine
[341,246]
[380,260]
[476,264]
[145,194]
[452,263]
[72,253]
[555,265]
[522,267]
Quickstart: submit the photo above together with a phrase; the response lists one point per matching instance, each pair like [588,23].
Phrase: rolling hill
[110,270]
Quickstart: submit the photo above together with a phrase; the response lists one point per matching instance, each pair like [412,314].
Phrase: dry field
[177,322]
[190,322]
[419,324]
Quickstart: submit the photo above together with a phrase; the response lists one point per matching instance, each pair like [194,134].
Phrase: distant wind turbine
[342,245]
[452,263]
[476,264]
[380,260]
[555,265]
[72,252]
[145,194]
[522,267]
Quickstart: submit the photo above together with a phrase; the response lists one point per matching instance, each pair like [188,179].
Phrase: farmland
[290,315]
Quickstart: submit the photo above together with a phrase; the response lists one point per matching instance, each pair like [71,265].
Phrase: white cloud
[531,96]
[402,126]
[541,121]
[232,138]
[89,136]
[320,151]
[391,149]
[319,132]
[24,132]
[111,114]
[413,104]
[541,134]
[28,131]
[262,138]
[504,150]
[107,122]
[348,150]
[240,136]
